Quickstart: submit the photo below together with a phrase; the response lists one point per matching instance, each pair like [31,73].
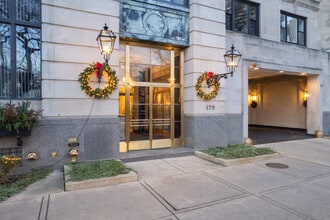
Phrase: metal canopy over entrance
[150,97]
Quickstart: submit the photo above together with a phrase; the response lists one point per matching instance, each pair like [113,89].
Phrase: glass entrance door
[139,120]
[150,118]
[161,117]
[149,99]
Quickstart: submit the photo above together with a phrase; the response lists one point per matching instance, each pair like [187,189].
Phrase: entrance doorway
[277,100]
[282,103]
[150,97]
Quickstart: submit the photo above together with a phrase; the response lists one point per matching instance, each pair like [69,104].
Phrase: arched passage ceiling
[258,73]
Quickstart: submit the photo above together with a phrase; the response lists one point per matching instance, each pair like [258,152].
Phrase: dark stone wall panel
[203,132]
[326,123]
[98,139]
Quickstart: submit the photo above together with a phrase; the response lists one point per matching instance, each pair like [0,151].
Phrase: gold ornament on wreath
[206,76]
[99,69]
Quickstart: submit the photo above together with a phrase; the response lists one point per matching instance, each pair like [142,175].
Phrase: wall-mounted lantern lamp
[106,41]
[306,95]
[232,58]
[254,103]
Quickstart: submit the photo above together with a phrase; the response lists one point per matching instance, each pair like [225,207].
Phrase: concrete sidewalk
[192,188]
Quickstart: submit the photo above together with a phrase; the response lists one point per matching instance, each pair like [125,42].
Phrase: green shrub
[97,169]
[238,151]
[9,189]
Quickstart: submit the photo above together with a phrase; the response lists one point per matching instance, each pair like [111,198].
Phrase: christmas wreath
[200,92]
[99,69]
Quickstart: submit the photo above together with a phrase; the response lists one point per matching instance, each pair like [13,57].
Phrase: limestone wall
[69,31]
[324,25]
[270,18]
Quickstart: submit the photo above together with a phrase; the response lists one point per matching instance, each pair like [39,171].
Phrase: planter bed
[238,161]
[98,182]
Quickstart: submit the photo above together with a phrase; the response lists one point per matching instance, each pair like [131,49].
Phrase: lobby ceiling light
[254,66]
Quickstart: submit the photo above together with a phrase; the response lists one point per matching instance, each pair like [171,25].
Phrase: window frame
[298,18]
[14,22]
[231,15]
[185,3]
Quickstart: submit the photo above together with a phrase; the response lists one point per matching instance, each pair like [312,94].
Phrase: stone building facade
[162,47]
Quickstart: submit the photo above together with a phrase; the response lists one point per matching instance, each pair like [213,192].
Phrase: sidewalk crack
[43,211]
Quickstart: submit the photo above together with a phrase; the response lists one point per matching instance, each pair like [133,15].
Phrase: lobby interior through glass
[150,97]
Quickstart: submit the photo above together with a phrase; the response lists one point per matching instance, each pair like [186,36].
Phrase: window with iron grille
[15,151]
[242,16]
[20,49]
[293,29]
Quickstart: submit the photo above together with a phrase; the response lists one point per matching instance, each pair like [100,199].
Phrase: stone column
[207,123]
[325,24]
[324,27]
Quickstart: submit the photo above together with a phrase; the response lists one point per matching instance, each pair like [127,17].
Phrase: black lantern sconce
[106,41]
[232,58]
[306,95]
[254,103]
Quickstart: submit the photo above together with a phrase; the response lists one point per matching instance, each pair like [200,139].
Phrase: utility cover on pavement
[277,165]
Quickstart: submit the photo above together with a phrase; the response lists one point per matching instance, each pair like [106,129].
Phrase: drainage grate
[277,165]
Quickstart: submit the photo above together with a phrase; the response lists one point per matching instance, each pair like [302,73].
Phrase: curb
[233,162]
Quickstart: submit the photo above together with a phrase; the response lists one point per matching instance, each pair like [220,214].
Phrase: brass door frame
[128,145]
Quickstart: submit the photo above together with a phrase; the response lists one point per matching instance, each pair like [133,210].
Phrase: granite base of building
[326,123]
[98,139]
[202,132]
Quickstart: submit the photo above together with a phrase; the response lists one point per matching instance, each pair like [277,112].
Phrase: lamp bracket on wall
[215,79]
[232,58]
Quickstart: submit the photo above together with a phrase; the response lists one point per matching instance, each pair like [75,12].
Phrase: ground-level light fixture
[106,41]
[306,95]
[232,58]
[254,103]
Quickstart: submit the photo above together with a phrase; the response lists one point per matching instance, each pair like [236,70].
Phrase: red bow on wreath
[99,70]
[210,74]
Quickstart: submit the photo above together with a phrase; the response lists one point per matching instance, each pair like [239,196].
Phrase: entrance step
[152,154]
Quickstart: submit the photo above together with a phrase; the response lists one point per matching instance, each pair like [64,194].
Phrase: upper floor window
[20,45]
[242,16]
[293,29]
